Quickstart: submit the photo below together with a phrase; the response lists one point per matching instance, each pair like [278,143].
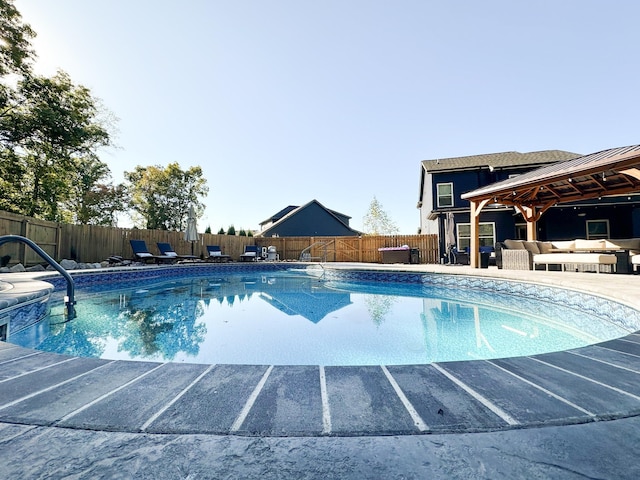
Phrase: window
[597,229]
[521,231]
[445,194]
[487,235]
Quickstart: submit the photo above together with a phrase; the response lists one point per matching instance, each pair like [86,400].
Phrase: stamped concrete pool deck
[570,414]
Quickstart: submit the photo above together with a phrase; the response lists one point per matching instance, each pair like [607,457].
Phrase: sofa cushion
[558,258]
[581,243]
[545,247]
[564,244]
[532,247]
[514,244]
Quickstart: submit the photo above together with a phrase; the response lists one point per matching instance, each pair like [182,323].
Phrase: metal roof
[609,172]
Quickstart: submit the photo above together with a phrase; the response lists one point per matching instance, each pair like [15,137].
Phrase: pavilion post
[532,230]
[474,247]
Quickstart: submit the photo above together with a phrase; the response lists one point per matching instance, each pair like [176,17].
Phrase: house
[309,220]
[443,181]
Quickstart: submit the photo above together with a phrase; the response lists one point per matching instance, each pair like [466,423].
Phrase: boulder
[35,268]
[69,264]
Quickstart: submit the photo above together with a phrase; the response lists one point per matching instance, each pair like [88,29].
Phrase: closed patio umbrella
[191,232]
[450,234]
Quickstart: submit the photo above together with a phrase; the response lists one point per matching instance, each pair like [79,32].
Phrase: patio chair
[250,253]
[216,255]
[142,254]
[167,250]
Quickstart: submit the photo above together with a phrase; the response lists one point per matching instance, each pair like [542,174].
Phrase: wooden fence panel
[90,243]
[11,224]
[45,234]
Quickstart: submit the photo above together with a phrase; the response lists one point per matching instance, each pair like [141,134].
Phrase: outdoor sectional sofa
[576,255]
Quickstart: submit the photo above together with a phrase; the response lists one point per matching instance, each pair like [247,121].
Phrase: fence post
[22,250]
[58,242]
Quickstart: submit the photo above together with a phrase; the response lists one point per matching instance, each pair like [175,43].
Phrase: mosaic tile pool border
[608,310]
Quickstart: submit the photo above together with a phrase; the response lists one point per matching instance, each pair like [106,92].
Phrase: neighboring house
[309,220]
[443,181]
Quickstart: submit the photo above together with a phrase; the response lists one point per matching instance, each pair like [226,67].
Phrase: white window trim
[438,194]
[460,237]
[601,220]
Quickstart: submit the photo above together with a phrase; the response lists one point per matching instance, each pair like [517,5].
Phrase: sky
[285,101]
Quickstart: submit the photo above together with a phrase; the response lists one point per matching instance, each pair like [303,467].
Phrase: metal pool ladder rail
[69,300]
[305,255]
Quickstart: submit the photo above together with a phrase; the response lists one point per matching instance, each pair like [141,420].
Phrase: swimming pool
[291,316]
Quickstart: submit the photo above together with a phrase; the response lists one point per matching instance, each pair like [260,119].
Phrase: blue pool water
[291,318]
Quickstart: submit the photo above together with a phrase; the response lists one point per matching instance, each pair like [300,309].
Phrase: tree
[92,202]
[15,57]
[50,131]
[48,125]
[231,230]
[161,197]
[221,231]
[15,41]
[377,222]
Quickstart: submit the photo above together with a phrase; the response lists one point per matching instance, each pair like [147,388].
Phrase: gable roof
[497,160]
[287,210]
[277,216]
[500,161]
[292,211]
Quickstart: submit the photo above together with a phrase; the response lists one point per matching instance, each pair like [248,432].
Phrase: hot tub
[402,254]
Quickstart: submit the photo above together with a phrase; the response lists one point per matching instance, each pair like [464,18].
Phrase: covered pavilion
[607,173]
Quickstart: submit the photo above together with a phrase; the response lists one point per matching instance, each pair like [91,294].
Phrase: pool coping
[263,400]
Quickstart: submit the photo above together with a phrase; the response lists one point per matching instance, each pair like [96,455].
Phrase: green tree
[221,231]
[92,199]
[16,52]
[160,197]
[231,230]
[15,57]
[50,131]
[49,124]
[377,222]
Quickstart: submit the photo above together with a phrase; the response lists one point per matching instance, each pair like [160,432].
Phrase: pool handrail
[69,300]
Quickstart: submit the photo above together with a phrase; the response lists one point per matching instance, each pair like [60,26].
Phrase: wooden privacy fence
[90,243]
[46,234]
[351,249]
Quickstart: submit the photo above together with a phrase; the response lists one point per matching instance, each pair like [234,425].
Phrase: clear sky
[285,101]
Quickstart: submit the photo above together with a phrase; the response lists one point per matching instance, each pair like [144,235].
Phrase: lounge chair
[216,255]
[142,254]
[167,249]
[250,253]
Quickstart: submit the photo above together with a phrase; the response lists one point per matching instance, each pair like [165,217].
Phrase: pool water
[288,318]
